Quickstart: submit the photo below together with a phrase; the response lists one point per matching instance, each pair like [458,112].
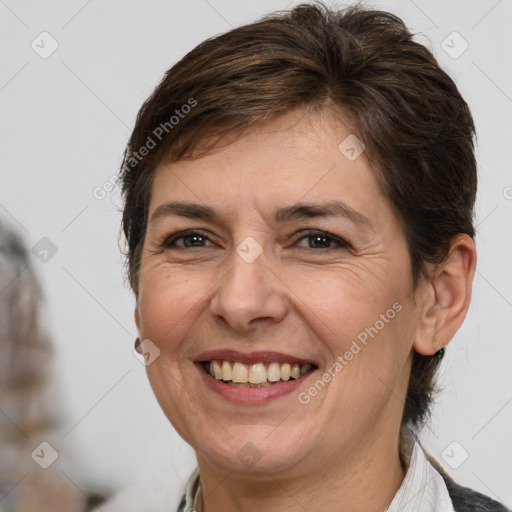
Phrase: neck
[368,468]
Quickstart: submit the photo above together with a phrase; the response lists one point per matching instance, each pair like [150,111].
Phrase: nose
[249,294]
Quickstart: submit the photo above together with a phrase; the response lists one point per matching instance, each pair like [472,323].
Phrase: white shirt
[422,490]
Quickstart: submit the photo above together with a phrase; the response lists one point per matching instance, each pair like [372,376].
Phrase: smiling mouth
[260,374]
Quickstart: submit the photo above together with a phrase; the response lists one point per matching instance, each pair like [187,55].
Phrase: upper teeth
[256,373]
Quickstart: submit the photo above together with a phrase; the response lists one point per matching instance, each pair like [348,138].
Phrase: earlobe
[448,297]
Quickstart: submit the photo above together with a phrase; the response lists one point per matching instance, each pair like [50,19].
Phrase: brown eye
[323,240]
[189,239]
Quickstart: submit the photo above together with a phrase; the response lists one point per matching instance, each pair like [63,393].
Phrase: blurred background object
[31,474]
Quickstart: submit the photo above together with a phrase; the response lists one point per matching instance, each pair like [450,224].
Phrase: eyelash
[169,243]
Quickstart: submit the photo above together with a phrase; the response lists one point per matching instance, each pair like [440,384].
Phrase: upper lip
[264,356]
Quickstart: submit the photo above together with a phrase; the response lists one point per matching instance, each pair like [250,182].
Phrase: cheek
[379,353]
[166,307]
[341,306]
[367,327]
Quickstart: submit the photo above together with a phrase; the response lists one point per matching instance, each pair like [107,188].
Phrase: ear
[446,297]
[137,317]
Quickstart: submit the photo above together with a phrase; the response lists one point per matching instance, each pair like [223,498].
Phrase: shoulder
[465,499]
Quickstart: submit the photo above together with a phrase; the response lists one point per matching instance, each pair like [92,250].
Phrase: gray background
[65,120]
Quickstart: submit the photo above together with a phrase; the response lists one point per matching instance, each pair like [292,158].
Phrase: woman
[299,196]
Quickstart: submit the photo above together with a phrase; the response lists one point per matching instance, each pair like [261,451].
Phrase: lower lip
[250,395]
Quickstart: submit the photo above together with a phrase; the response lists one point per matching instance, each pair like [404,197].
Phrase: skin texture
[297,299]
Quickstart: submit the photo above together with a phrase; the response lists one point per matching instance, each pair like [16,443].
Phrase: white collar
[422,490]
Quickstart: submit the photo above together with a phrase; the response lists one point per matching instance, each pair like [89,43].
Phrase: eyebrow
[297,211]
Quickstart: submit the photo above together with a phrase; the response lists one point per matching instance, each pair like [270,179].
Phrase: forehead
[295,158]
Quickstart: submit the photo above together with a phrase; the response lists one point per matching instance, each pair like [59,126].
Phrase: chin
[255,449]
[252,461]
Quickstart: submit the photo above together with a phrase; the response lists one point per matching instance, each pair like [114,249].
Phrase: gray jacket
[465,499]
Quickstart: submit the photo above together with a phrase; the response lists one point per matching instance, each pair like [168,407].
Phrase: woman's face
[266,279]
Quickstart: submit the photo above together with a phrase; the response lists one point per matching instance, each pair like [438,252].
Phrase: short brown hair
[417,129]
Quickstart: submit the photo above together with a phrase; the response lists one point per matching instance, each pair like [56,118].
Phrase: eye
[324,240]
[189,238]
[315,239]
